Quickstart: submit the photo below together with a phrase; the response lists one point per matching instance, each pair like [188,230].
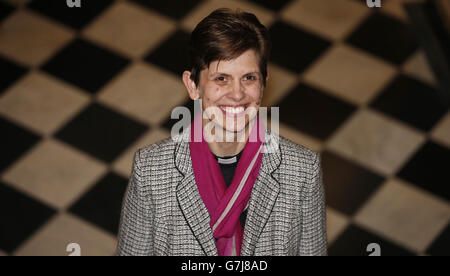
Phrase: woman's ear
[190,86]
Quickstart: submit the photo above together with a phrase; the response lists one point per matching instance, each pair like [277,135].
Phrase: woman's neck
[233,147]
[222,149]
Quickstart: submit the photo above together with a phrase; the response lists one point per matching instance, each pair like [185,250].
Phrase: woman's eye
[221,78]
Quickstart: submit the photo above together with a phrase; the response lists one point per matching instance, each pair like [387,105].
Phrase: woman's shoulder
[162,149]
[160,145]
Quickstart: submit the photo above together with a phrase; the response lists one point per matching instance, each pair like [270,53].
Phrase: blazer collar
[263,197]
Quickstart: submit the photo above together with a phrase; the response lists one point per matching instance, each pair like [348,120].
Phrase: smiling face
[231,91]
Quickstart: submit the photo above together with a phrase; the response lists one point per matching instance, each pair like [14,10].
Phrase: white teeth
[233,110]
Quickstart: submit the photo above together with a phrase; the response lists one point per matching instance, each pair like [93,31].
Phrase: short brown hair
[225,35]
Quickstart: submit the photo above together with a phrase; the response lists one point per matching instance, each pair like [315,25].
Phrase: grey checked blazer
[163,213]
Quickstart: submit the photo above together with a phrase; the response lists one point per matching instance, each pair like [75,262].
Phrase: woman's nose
[237,92]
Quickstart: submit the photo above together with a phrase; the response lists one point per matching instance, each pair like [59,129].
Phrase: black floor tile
[14,141]
[73,17]
[172,54]
[10,73]
[313,112]
[347,185]
[428,169]
[272,5]
[411,101]
[101,132]
[385,37]
[5,10]
[102,204]
[172,8]
[85,65]
[354,241]
[293,48]
[21,216]
[441,246]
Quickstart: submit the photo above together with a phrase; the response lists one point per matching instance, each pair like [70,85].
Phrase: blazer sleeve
[314,238]
[135,230]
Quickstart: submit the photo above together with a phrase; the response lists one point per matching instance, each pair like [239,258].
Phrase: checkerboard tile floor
[83,88]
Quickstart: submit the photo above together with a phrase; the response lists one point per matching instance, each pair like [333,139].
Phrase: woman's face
[231,91]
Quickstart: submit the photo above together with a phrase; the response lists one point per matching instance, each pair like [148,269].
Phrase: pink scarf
[225,205]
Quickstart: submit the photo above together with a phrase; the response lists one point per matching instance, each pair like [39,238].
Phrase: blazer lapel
[190,202]
[264,194]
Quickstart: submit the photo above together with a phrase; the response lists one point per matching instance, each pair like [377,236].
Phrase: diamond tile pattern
[340,177]
[354,241]
[124,27]
[438,247]
[83,88]
[167,7]
[395,45]
[377,141]
[29,38]
[28,216]
[392,211]
[15,141]
[273,5]
[11,71]
[411,101]
[265,15]
[334,20]
[350,74]
[305,102]
[41,102]
[54,173]
[145,91]
[428,169]
[289,41]
[70,64]
[101,132]
[172,53]
[99,209]
[73,17]
[5,10]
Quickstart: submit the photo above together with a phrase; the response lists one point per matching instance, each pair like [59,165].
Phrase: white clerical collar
[227,160]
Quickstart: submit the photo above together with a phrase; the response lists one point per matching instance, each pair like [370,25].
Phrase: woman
[227,185]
